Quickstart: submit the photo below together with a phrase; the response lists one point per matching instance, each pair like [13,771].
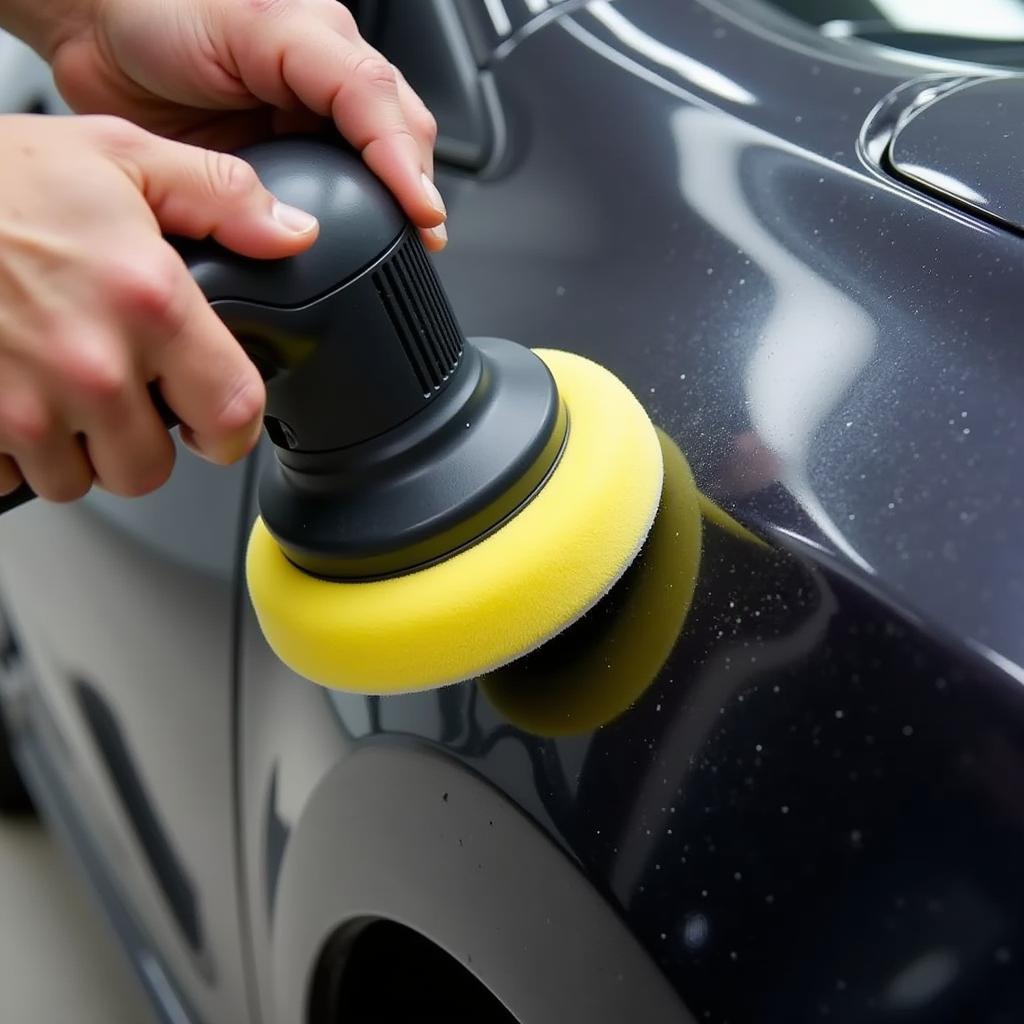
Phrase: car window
[979,31]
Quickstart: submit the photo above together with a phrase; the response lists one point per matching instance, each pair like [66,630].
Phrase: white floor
[58,958]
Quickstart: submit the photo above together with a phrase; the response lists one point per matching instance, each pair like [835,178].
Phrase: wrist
[46,24]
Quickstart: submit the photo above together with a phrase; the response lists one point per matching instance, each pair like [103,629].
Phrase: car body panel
[125,611]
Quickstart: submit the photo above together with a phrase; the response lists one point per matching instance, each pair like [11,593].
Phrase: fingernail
[297,221]
[224,452]
[433,196]
[233,449]
[440,233]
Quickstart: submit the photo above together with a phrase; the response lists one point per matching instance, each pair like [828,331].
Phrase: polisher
[438,506]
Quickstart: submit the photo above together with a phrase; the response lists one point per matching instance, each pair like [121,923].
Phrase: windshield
[980,31]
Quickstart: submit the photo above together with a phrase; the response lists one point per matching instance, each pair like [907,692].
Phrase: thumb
[199,192]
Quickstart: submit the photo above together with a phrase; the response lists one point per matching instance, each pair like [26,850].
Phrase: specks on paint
[908,730]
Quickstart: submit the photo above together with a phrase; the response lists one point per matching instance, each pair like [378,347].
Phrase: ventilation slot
[419,312]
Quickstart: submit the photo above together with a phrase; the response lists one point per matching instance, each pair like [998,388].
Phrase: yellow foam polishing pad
[498,599]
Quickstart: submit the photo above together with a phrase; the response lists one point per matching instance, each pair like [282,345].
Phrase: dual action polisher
[438,506]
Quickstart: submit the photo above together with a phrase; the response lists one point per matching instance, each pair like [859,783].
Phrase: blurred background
[56,951]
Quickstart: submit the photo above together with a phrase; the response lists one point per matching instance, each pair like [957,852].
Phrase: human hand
[224,73]
[95,305]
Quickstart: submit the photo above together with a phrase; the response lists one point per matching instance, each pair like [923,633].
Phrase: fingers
[425,132]
[95,305]
[10,476]
[57,469]
[40,449]
[418,118]
[129,447]
[421,123]
[108,429]
[210,383]
[199,192]
[292,56]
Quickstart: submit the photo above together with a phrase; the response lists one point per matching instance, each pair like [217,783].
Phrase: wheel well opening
[377,970]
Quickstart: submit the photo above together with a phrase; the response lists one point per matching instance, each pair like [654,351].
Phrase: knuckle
[111,132]
[229,176]
[346,20]
[424,122]
[93,373]
[25,426]
[375,72]
[147,287]
[267,6]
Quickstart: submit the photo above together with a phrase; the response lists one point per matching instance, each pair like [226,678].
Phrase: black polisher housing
[398,440]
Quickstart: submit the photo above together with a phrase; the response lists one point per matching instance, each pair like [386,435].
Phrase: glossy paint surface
[964,145]
[809,813]
[812,809]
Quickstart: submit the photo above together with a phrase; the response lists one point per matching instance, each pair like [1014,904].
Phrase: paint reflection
[600,666]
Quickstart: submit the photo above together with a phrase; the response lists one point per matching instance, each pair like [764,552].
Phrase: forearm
[44,24]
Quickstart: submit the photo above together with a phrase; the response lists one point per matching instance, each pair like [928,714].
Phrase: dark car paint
[978,173]
[816,809]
